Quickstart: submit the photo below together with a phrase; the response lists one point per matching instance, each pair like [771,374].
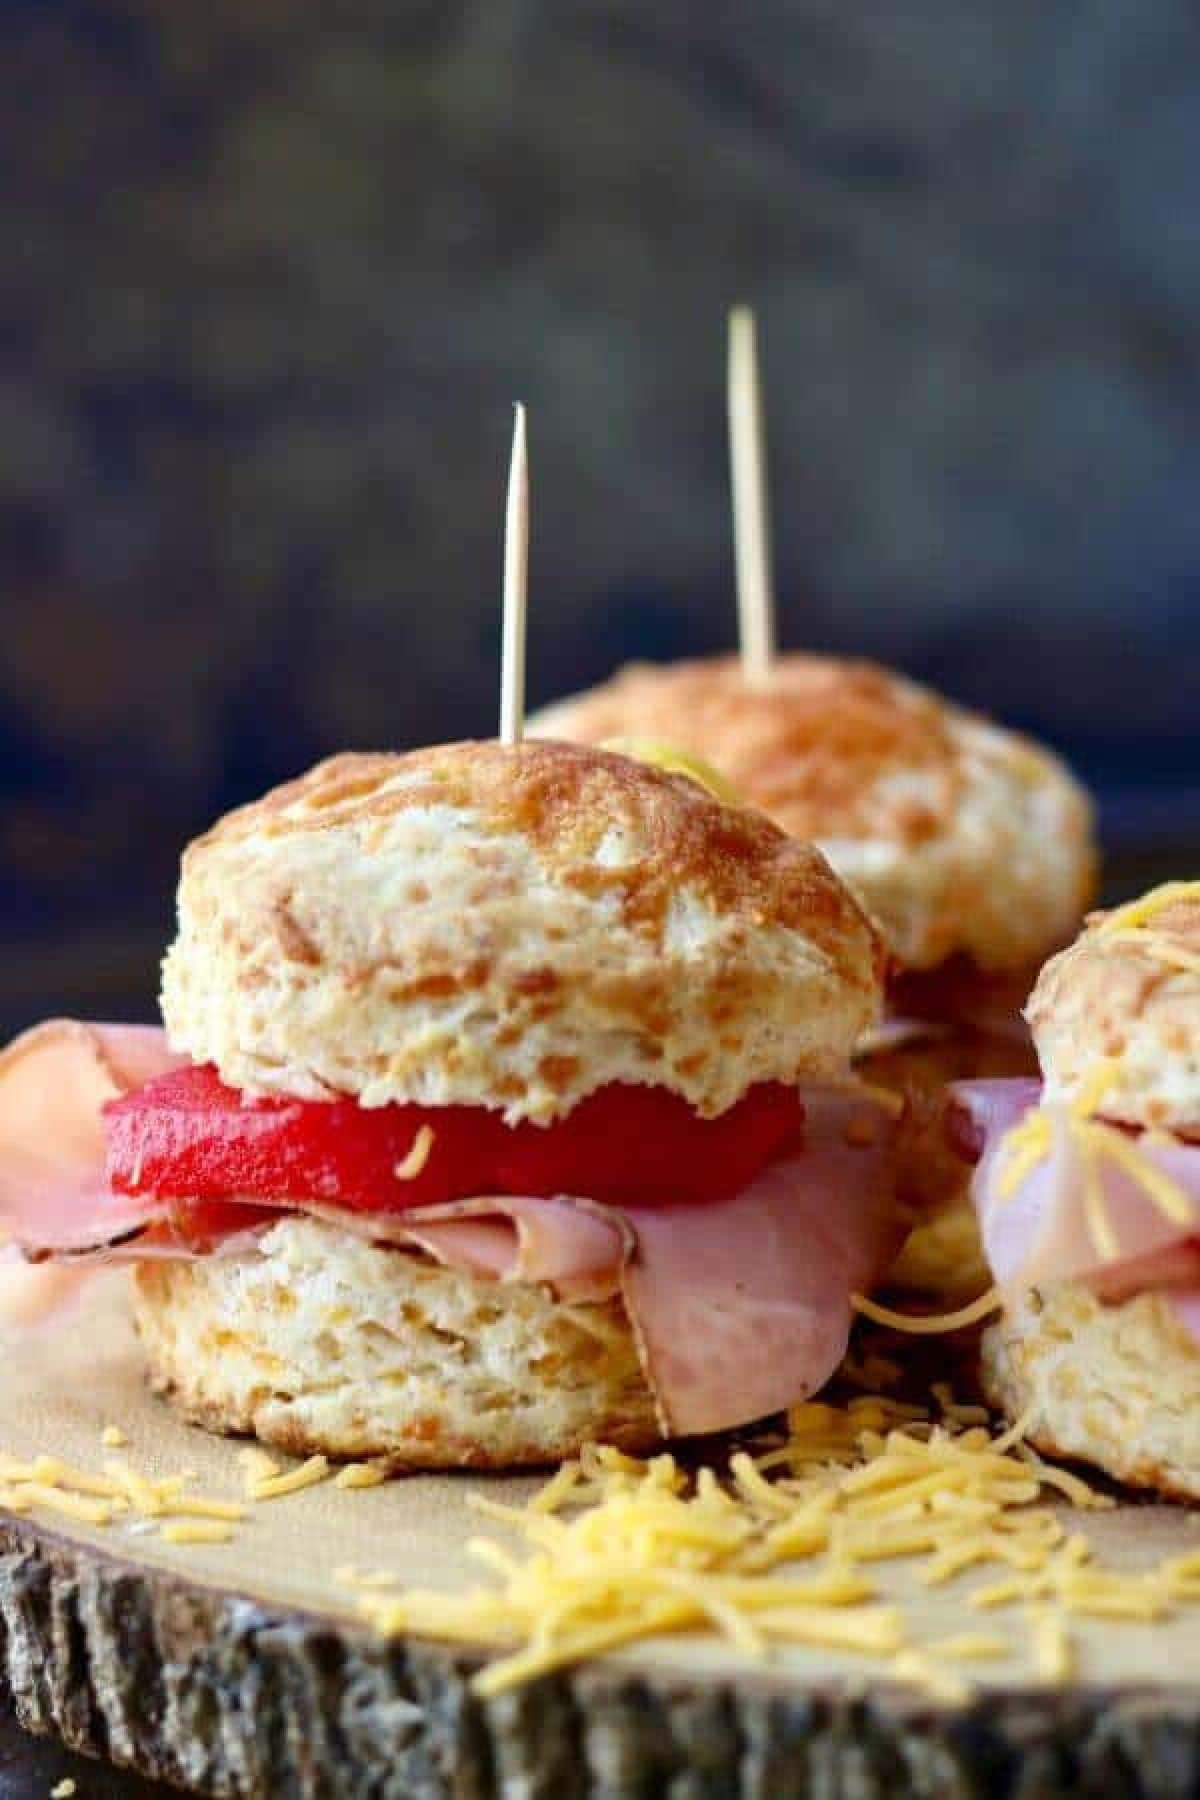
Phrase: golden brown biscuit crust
[512,926]
[563,799]
[809,748]
[917,802]
[1126,995]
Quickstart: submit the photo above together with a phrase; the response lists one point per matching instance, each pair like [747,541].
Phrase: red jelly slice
[188,1135]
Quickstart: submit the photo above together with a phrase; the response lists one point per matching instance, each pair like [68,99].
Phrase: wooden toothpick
[516,579]
[751,512]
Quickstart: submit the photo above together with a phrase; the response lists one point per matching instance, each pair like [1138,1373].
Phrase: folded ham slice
[744,1308]
[54,1083]
[576,1247]
[738,1307]
[1082,1211]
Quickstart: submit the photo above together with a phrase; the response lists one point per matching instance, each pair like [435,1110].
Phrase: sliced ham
[54,1083]
[576,1247]
[738,1307]
[1040,1230]
[994,1107]
[32,1299]
[744,1308]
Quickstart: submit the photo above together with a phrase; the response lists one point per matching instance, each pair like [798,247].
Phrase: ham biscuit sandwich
[970,846]
[1088,1194]
[504,1104]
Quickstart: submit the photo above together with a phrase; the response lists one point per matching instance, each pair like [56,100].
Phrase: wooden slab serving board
[240,1669]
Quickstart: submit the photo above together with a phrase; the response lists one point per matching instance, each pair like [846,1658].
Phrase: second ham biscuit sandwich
[970,845]
[506,1106]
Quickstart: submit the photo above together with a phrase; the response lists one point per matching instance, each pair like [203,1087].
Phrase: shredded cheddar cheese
[1098,1084]
[256,1466]
[1137,913]
[195,1506]
[48,1484]
[195,1531]
[1166,1194]
[113,1438]
[617,1549]
[307,1475]
[142,1494]
[359,1475]
[784,1545]
[928,1324]
[1053,1651]
[50,1469]
[418,1155]
[971,1646]
[62,1500]
[1133,924]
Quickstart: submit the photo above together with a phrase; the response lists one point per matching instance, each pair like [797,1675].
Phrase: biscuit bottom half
[319,1341]
[1116,1385]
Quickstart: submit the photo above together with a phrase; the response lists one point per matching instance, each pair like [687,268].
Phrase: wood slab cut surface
[241,1669]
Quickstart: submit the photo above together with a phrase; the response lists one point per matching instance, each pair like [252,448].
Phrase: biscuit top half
[961,838]
[512,926]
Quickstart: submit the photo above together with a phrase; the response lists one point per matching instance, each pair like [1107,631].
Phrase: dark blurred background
[273,274]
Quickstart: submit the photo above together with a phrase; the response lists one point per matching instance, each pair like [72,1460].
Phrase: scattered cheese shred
[1097,1086]
[49,1484]
[1166,1194]
[1133,924]
[256,1466]
[1137,913]
[63,1790]
[69,1505]
[307,1475]
[971,1646]
[61,1474]
[196,1531]
[142,1493]
[359,1475]
[418,1155]
[196,1506]
[162,1504]
[921,1324]
[113,1438]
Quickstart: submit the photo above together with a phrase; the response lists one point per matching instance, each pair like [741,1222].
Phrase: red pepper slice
[186,1135]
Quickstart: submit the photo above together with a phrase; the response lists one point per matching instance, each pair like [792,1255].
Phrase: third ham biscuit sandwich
[1088,1192]
[970,845]
[504,1104]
